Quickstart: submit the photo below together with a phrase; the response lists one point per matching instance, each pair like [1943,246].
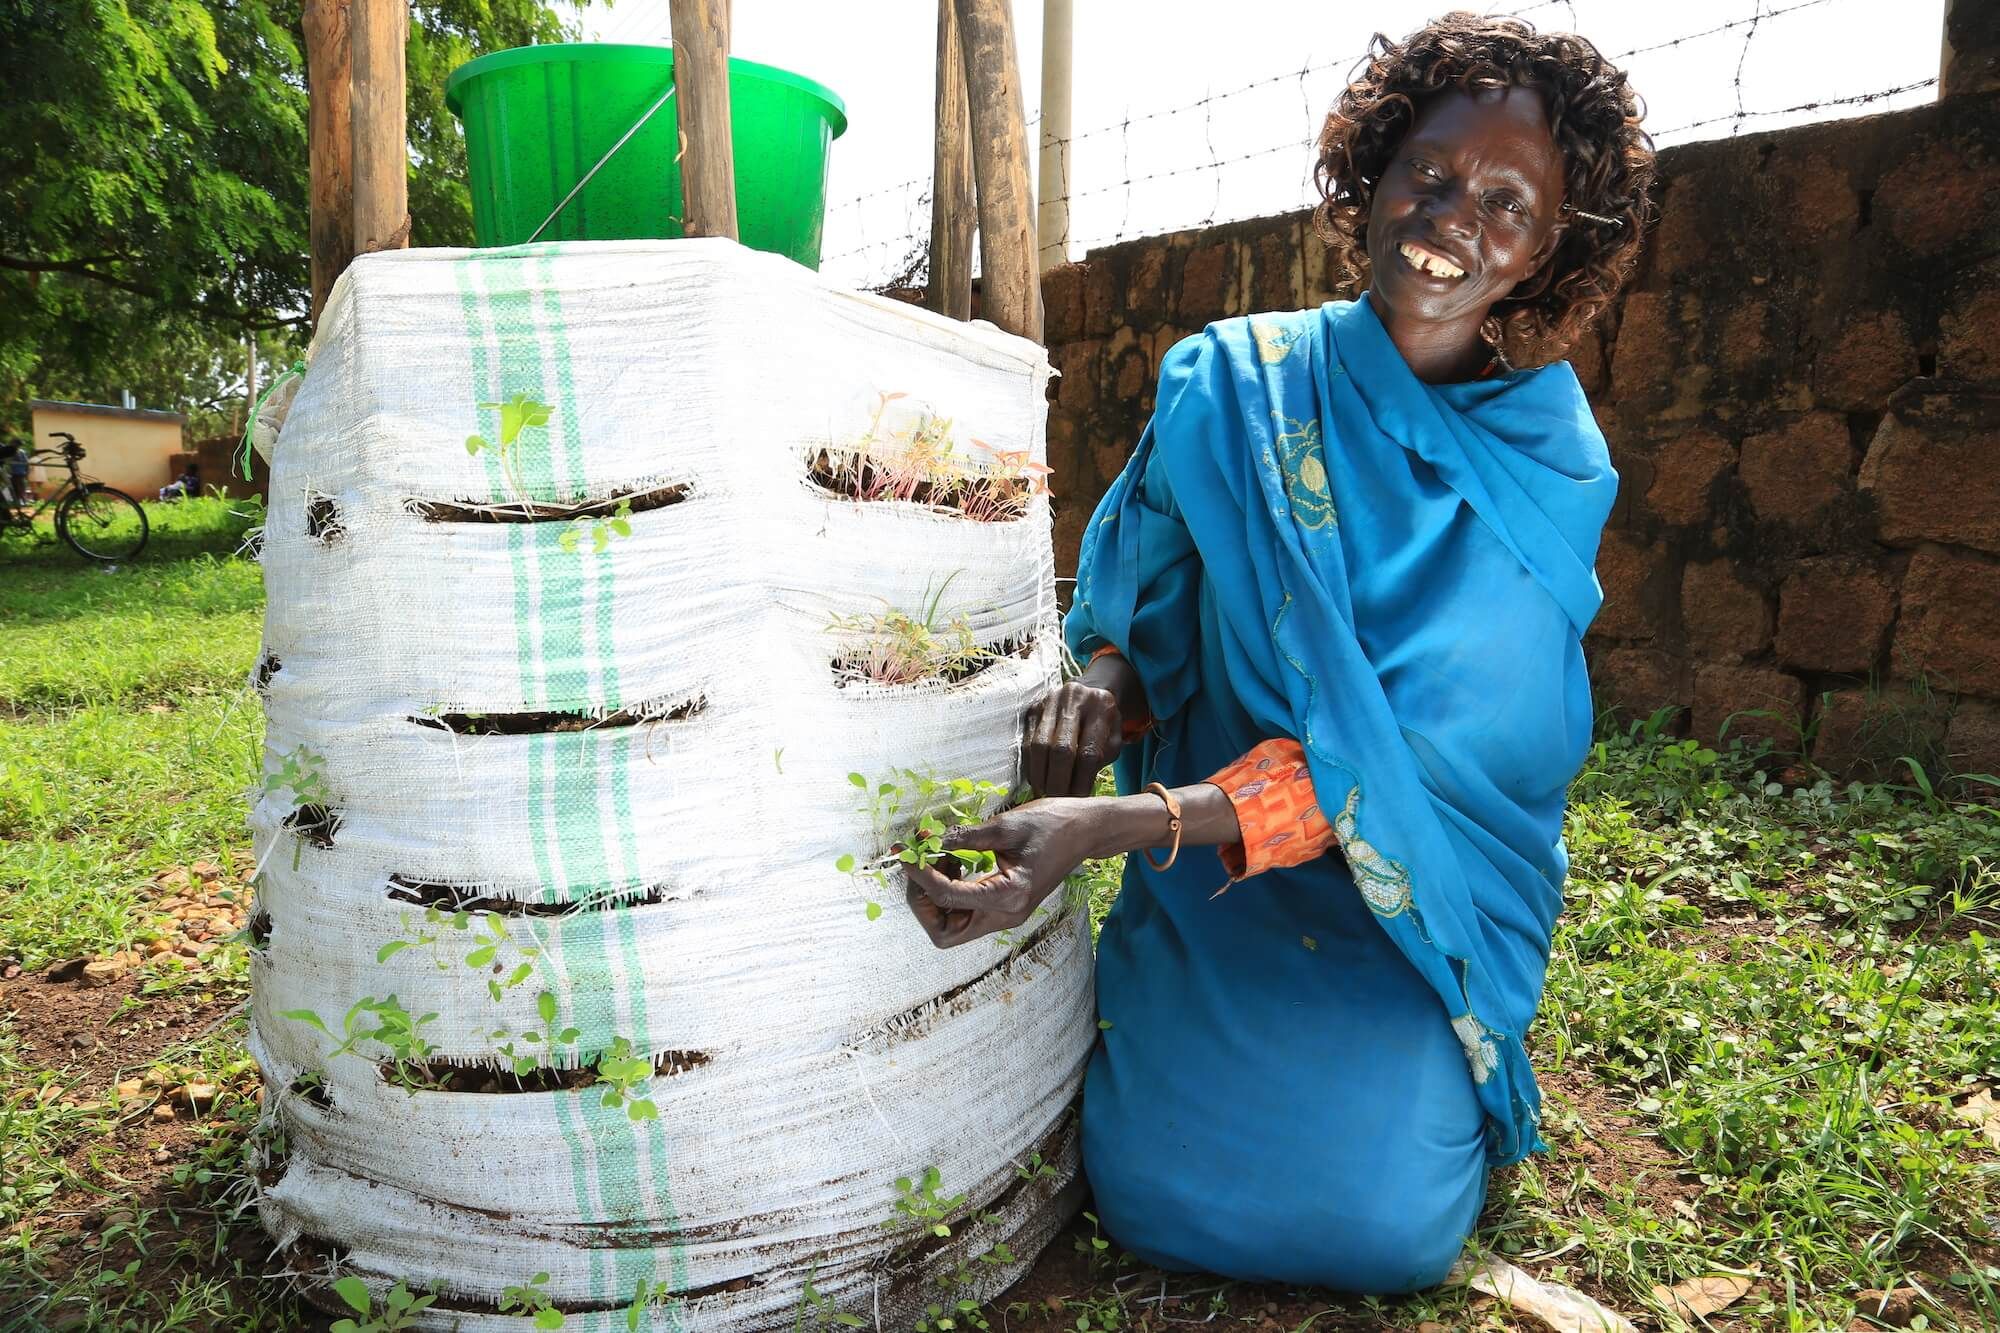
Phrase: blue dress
[1307,1077]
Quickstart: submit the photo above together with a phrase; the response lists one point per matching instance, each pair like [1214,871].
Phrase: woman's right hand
[1074,731]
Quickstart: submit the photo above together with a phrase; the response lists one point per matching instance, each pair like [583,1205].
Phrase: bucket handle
[609,153]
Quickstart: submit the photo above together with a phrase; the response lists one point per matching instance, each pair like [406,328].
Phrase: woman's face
[1467,207]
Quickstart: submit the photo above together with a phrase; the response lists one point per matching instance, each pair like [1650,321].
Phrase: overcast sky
[1151,63]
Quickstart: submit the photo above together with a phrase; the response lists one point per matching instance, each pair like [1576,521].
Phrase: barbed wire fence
[880,239]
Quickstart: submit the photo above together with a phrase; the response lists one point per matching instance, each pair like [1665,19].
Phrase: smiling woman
[1518,162]
[1333,611]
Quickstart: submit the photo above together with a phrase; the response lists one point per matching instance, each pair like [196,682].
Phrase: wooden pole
[701,86]
[1010,292]
[380,126]
[1052,186]
[328,146]
[952,207]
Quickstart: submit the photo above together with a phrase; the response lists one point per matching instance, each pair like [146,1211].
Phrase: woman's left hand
[1037,845]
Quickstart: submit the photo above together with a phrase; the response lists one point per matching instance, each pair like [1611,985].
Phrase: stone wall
[1802,393]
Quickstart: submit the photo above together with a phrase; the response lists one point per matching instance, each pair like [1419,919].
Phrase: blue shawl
[1402,573]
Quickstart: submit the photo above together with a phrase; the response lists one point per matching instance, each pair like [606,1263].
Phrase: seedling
[394,1029]
[892,647]
[1035,1169]
[488,934]
[399,1309]
[1094,1246]
[531,1299]
[910,819]
[600,528]
[919,462]
[648,1294]
[918,1202]
[816,1306]
[523,1062]
[624,1075]
[302,772]
[517,414]
[947,1318]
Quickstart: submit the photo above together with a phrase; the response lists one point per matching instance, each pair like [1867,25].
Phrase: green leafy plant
[600,528]
[893,647]
[387,1023]
[486,932]
[910,819]
[532,1299]
[1035,1168]
[918,1203]
[399,1308]
[624,1076]
[644,1298]
[946,1318]
[1094,1246]
[523,1061]
[517,414]
[917,460]
[302,772]
[817,1310]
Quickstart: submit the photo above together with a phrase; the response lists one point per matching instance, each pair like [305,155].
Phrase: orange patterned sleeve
[1280,817]
[1134,727]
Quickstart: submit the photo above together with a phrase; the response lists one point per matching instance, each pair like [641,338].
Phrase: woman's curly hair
[1607,159]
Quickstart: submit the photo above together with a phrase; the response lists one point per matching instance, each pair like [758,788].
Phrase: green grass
[1764,1004]
[128,735]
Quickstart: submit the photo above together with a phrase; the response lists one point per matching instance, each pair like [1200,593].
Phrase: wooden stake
[380,126]
[328,146]
[953,212]
[1010,293]
[701,86]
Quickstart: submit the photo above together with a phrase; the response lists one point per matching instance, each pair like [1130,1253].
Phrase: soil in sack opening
[323,523]
[981,497]
[527,511]
[903,651]
[467,898]
[498,1077]
[555,720]
[315,823]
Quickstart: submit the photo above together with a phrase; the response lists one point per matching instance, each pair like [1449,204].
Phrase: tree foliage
[153,183]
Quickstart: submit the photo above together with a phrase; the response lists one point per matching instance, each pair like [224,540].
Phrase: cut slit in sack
[1398,575]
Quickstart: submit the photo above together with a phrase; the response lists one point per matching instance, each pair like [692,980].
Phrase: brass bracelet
[1173,826]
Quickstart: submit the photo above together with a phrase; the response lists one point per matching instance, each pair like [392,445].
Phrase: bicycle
[96,521]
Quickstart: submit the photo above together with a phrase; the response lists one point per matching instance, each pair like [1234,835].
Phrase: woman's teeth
[1435,265]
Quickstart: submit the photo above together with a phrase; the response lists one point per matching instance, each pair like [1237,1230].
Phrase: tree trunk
[328,146]
[380,126]
[701,84]
[1010,293]
[952,208]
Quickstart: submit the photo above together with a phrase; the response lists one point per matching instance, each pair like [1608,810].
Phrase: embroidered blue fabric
[1306,1078]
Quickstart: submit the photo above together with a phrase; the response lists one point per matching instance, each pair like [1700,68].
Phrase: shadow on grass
[180,531]
[43,581]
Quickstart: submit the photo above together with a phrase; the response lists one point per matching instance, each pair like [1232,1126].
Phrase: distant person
[17,472]
[187,486]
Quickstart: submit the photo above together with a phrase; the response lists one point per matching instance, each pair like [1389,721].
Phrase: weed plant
[912,455]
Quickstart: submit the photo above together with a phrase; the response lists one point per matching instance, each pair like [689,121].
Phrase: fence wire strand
[892,222]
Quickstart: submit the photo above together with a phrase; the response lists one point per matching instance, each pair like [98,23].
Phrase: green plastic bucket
[537,118]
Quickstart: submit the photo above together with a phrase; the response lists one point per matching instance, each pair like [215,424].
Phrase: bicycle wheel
[102,524]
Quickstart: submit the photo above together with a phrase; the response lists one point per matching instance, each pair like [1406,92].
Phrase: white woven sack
[624,735]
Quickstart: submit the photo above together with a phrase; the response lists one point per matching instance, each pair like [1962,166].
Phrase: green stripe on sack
[598,842]
[502,320]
